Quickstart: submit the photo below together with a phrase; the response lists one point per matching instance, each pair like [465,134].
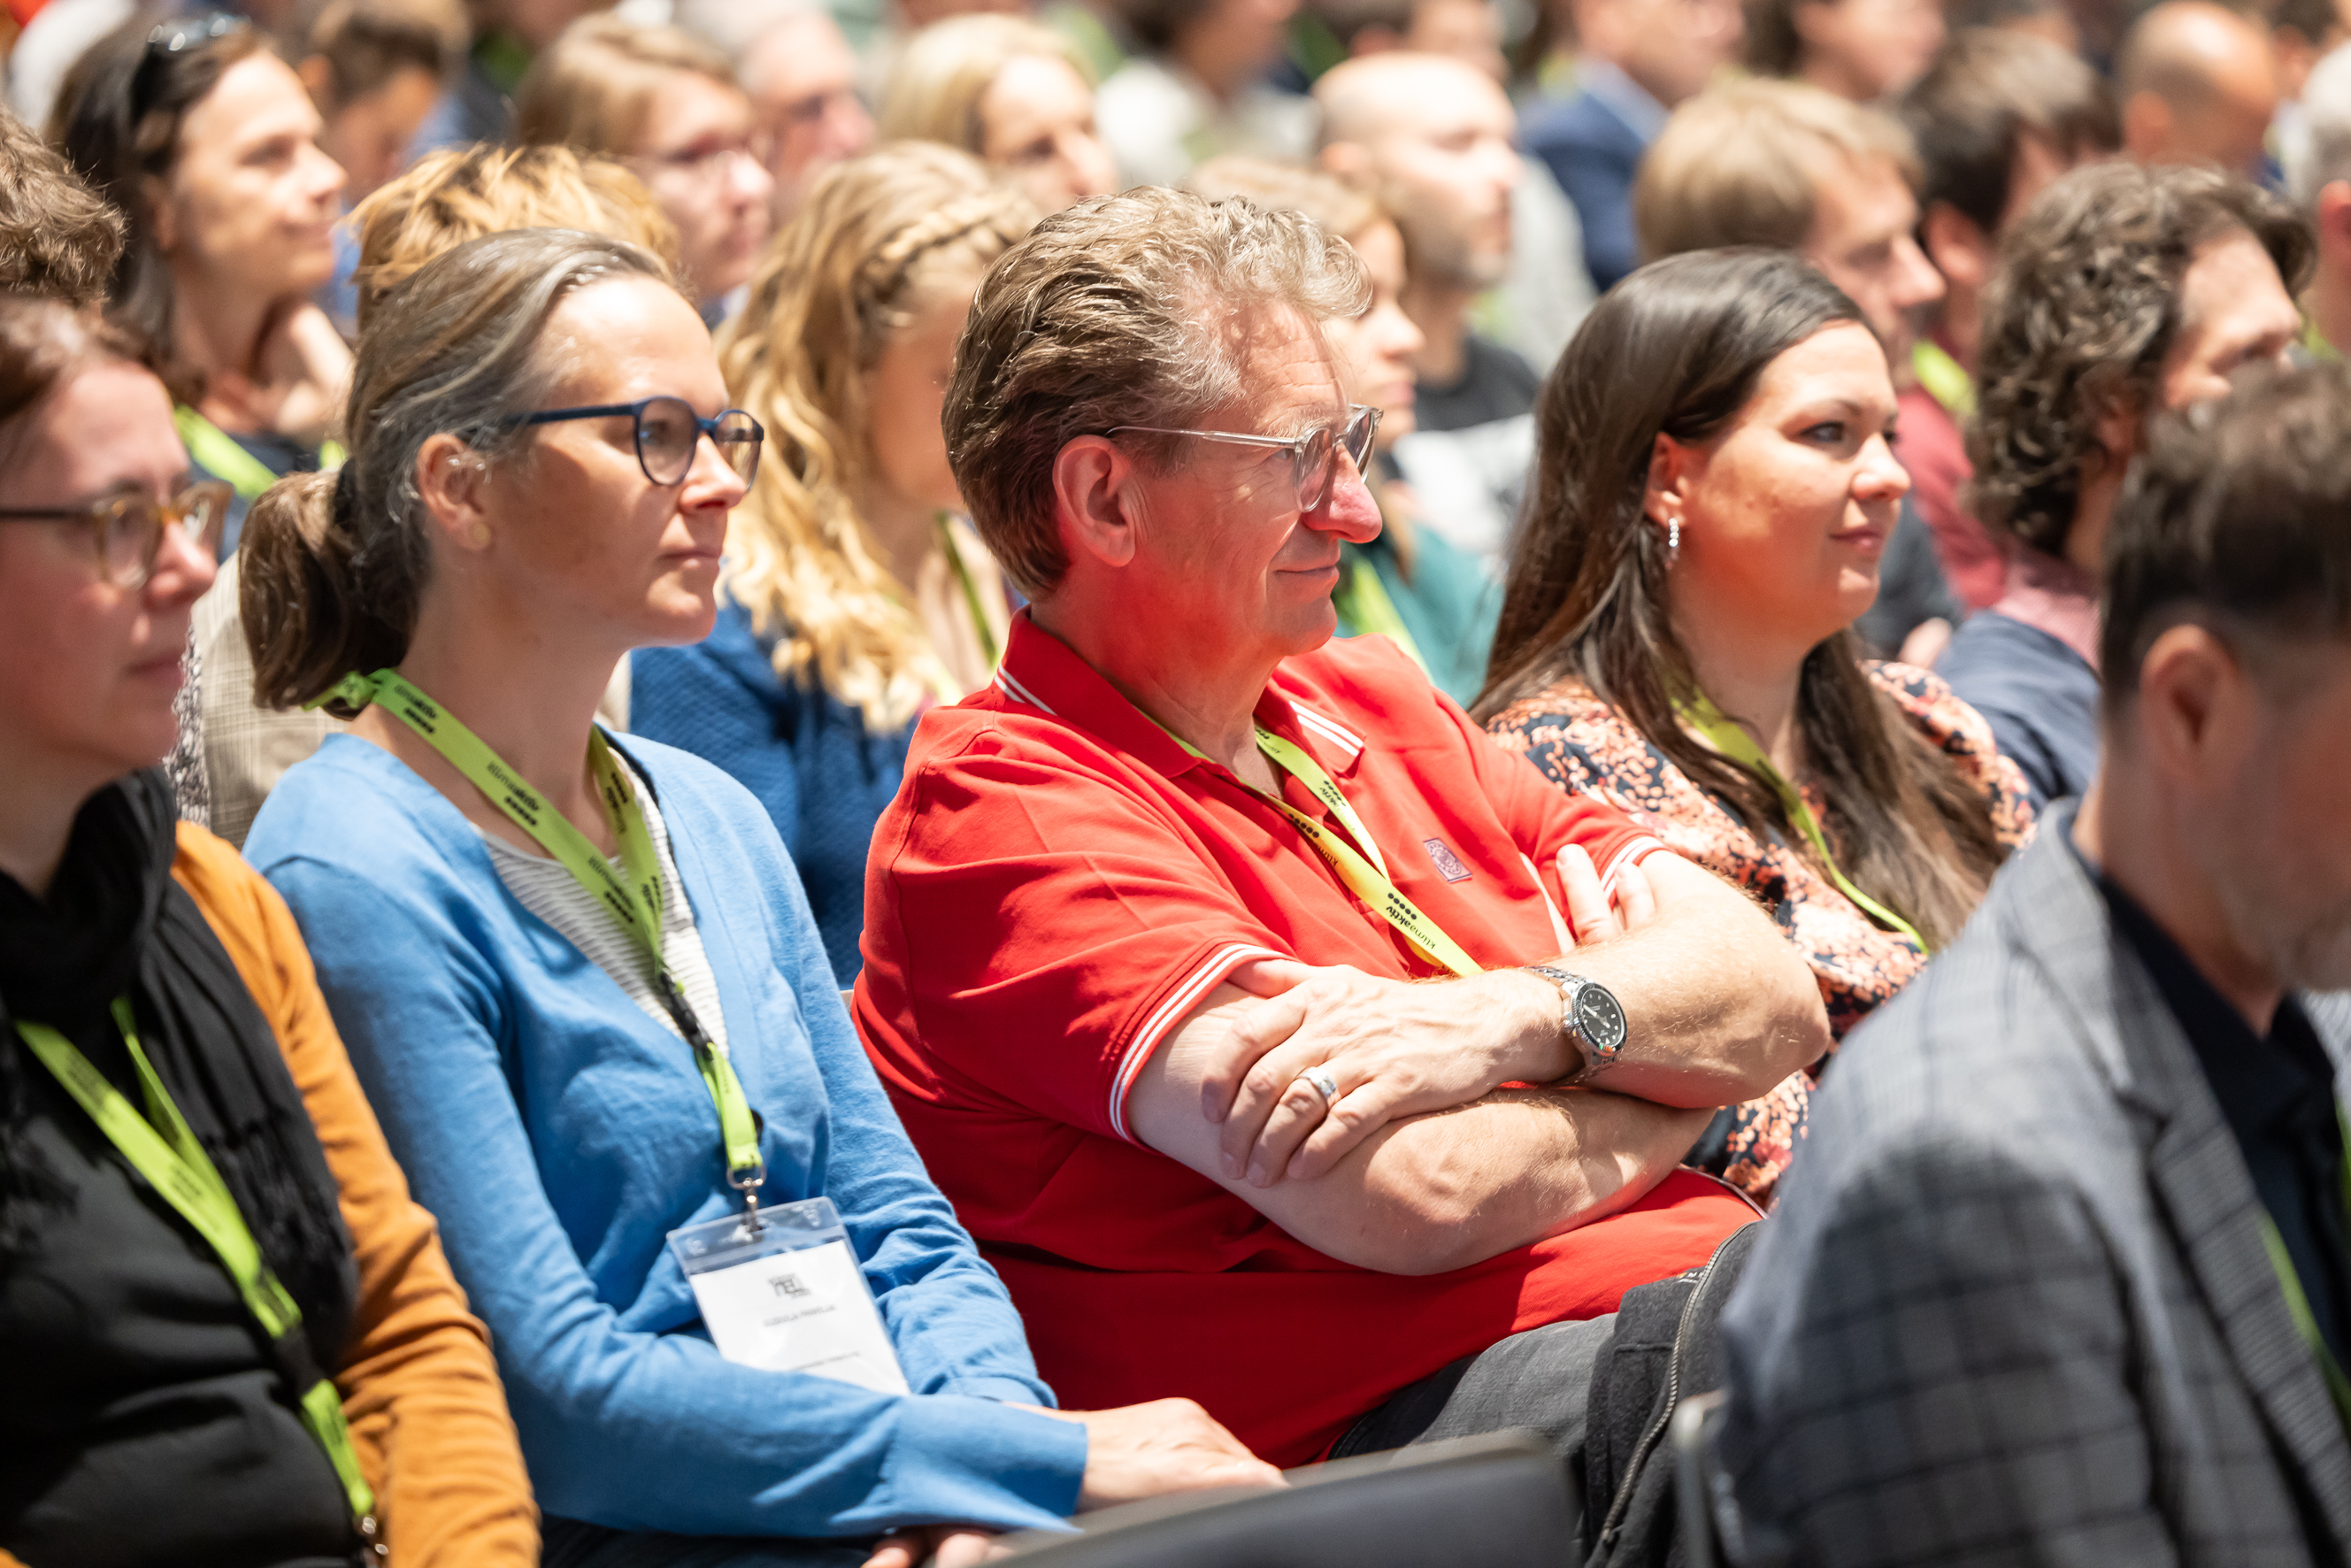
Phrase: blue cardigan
[560,1134]
[823,777]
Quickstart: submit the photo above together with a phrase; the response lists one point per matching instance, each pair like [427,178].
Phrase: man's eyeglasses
[127,527]
[1314,455]
[667,433]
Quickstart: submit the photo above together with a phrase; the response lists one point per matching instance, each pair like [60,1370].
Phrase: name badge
[789,1298]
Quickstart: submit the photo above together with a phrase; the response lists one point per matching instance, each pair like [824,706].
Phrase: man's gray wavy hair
[1131,309]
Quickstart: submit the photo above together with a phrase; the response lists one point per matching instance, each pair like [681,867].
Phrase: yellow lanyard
[1726,737]
[1944,378]
[2297,1301]
[970,590]
[635,900]
[161,1147]
[1364,600]
[1366,875]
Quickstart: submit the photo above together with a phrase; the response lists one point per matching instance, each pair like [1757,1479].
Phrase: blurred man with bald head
[2198,85]
[1432,140]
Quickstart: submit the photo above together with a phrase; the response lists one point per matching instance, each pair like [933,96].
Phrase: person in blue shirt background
[501,538]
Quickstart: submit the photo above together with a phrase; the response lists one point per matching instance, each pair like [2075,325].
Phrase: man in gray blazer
[2059,1275]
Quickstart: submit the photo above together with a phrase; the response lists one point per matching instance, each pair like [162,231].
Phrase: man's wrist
[1541,1051]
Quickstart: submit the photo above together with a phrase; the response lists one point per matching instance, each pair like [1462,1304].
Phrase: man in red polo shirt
[1193,946]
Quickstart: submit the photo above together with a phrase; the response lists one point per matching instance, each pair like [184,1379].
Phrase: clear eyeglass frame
[1314,454]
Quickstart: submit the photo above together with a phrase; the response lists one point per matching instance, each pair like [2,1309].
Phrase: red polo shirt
[1059,883]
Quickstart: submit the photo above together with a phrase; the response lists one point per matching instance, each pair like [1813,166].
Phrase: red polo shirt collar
[1040,671]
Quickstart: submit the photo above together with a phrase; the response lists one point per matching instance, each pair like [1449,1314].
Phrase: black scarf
[115,923]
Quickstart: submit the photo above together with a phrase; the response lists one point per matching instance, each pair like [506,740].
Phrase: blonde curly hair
[464,193]
[831,292]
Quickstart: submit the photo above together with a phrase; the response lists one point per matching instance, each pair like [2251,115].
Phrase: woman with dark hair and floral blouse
[1714,489]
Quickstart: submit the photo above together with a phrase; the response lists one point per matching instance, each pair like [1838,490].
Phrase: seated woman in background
[448,198]
[210,146]
[1714,487]
[1009,92]
[667,105]
[160,1020]
[571,1054]
[1410,583]
[856,594]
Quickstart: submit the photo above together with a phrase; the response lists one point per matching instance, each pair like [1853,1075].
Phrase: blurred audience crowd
[750,738]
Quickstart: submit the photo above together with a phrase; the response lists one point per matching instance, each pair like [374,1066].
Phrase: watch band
[1596,1054]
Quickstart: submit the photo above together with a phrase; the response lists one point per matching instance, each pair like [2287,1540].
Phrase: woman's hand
[1391,1048]
[950,1545]
[1169,1445]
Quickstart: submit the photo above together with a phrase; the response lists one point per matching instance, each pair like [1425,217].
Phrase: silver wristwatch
[1589,1016]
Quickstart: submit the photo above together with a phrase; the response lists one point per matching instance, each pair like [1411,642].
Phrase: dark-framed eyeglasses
[667,433]
[174,35]
[127,527]
[1314,455]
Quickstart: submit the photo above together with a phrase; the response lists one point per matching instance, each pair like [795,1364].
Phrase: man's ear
[2194,708]
[318,74]
[2333,218]
[1093,501]
[2147,126]
[1957,245]
[453,481]
[1350,162]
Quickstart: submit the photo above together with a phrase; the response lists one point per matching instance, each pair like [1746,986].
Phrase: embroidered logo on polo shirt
[1449,864]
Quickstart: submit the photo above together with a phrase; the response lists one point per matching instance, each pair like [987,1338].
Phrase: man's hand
[1393,1048]
[1169,1445]
[951,1545]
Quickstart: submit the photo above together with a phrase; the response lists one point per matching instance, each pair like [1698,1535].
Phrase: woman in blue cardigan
[578,975]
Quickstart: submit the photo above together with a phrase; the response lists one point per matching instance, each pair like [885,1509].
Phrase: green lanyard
[970,590]
[1364,600]
[634,900]
[160,1148]
[1726,737]
[2297,1303]
[1366,875]
[1946,380]
[217,452]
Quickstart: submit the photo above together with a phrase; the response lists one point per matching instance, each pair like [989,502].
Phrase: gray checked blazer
[2014,1306]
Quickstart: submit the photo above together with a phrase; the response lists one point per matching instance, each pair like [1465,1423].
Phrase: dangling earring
[1673,538]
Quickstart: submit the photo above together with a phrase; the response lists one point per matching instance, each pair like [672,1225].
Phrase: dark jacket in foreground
[2013,1306]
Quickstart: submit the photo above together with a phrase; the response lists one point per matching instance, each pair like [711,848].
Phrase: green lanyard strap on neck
[634,899]
[1364,600]
[2297,1301]
[161,1147]
[970,590]
[217,452]
[1710,725]
[1366,875]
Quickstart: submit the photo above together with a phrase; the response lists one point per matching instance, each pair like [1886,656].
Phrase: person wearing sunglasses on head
[209,144]
[1283,1042]
[579,978]
[231,1336]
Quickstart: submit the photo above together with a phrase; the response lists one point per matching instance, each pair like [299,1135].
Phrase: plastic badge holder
[790,1297]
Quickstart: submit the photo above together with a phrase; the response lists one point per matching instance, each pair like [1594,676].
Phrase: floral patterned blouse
[1581,744]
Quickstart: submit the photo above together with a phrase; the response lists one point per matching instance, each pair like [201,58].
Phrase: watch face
[1600,1019]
